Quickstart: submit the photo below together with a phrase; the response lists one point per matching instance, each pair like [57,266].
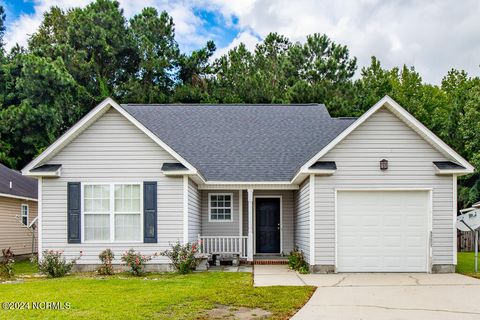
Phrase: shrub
[183,256]
[296,261]
[135,261]
[6,263]
[54,265]
[106,257]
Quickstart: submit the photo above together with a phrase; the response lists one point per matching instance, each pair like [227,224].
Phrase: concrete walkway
[275,275]
[380,295]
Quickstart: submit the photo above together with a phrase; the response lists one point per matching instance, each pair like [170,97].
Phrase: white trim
[24,205]
[430,232]
[86,121]
[40,220]
[250,226]
[454,219]
[280,197]
[209,206]
[312,218]
[335,223]
[178,172]
[394,107]
[429,219]
[320,171]
[6,195]
[111,213]
[457,172]
[223,186]
[240,212]
[185,209]
[247,182]
[384,189]
[57,173]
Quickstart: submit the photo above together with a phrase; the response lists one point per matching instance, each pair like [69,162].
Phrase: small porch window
[220,207]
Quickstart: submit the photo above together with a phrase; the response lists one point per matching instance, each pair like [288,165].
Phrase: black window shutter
[73,212]
[150,212]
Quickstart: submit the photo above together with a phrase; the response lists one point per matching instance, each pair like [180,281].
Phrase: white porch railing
[223,244]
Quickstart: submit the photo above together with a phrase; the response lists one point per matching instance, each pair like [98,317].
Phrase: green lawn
[24,267]
[157,296]
[466,264]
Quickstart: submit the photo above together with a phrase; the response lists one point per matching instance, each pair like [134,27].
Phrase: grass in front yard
[466,264]
[157,296]
[24,267]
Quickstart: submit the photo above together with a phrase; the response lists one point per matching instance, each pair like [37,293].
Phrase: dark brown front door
[267,226]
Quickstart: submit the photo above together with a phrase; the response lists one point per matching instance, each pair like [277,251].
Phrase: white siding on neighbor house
[111,150]
[302,218]
[219,228]
[409,157]
[287,215]
[194,212]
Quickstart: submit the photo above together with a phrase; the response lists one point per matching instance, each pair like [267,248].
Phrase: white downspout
[40,220]
[250,225]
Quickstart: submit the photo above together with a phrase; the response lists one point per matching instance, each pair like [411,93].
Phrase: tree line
[80,56]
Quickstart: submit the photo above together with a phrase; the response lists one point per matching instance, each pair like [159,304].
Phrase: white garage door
[382,231]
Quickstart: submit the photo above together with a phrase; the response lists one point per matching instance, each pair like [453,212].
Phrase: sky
[432,35]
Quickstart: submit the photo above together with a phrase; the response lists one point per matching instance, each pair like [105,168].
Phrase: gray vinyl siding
[287,215]
[111,150]
[302,218]
[410,158]
[194,211]
[245,213]
[220,228]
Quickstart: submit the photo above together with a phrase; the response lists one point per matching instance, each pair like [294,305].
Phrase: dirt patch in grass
[237,313]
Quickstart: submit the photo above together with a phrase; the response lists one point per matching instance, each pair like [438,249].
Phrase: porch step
[270,260]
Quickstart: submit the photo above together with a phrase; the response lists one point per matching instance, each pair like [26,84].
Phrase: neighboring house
[377,193]
[18,209]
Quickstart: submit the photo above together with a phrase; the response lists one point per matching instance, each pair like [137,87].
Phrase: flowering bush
[6,263]
[135,261]
[54,265]
[296,261]
[183,256]
[106,257]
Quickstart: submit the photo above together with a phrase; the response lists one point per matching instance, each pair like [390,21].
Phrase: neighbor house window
[220,207]
[24,214]
[112,212]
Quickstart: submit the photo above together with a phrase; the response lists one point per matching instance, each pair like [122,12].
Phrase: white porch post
[250,225]
[240,221]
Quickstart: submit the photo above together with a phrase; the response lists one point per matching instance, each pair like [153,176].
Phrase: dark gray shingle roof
[21,186]
[167,166]
[47,168]
[446,165]
[324,165]
[242,142]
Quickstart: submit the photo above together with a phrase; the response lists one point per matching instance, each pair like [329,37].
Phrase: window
[127,212]
[112,212]
[24,213]
[220,207]
[96,206]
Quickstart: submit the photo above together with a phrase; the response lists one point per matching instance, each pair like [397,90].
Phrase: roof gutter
[7,195]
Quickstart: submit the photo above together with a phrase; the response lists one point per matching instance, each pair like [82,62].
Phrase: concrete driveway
[392,296]
[381,295]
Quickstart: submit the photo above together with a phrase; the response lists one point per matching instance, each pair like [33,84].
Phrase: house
[18,210]
[373,194]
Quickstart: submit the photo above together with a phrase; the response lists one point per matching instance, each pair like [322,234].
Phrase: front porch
[257,226]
